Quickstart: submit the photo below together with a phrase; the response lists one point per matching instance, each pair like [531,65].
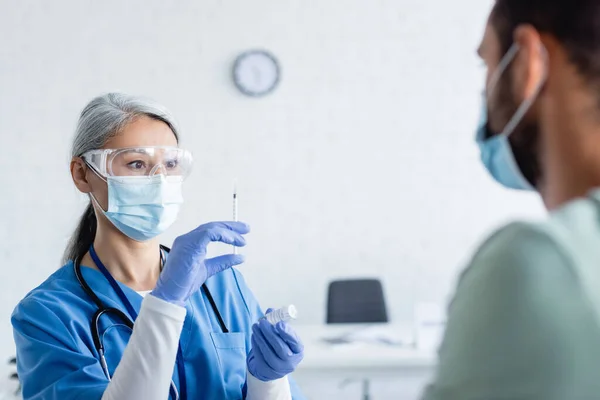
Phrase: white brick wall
[361,163]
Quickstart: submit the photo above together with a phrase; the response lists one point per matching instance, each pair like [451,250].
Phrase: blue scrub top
[57,359]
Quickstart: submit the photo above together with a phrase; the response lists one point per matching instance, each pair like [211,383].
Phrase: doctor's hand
[187,267]
[276,350]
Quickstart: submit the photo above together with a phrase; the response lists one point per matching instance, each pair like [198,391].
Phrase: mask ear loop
[526,104]
[91,195]
[502,66]
[95,171]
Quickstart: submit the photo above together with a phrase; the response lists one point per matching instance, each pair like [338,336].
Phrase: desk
[395,372]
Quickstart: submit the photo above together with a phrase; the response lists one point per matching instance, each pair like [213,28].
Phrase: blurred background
[361,163]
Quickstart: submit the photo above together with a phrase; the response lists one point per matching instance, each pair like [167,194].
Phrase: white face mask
[142,207]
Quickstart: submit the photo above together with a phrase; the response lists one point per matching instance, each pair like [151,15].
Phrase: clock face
[256,73]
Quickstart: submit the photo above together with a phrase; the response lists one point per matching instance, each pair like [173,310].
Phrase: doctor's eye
[171,164]
[138,164]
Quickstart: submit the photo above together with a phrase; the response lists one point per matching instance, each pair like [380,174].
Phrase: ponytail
[83,237]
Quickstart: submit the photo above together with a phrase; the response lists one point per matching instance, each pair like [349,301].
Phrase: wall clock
[256,73]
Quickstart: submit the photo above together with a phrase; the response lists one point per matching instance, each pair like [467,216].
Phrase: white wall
[362,163]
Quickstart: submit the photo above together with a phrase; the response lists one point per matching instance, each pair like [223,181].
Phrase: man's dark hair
[574,23]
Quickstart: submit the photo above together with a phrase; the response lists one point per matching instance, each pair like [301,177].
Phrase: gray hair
[104,117]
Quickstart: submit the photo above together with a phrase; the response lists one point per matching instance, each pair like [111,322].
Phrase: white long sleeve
[272,390]
[146,368]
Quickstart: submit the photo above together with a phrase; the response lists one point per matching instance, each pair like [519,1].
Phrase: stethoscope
[128,320]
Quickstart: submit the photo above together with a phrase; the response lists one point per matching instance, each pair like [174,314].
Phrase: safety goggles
[140,161]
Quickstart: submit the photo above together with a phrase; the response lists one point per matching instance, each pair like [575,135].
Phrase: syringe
[283,314]
[235,208]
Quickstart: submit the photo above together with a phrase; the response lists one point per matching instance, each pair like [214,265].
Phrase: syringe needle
[235,208]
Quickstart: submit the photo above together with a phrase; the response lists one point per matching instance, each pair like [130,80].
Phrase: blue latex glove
[187,268]
[276,350]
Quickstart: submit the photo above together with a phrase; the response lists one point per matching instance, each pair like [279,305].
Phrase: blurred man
[525,319]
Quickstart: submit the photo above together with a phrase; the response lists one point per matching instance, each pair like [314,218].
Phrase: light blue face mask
[496,151]
[498,157]
[142,207]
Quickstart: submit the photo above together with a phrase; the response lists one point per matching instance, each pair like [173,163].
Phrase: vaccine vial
[283,314]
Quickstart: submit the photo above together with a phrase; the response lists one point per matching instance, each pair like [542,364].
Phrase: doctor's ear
[79,174]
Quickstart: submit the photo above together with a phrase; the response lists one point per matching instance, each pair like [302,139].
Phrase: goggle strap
[95,170]
[103,162]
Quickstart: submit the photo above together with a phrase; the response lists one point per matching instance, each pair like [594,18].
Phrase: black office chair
[356,301]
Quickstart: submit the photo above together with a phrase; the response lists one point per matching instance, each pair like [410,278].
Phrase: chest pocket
[231,352]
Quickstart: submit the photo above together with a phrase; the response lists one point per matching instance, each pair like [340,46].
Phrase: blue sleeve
[255,313]
[50,364]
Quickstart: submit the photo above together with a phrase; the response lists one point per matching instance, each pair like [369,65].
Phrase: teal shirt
[524,322]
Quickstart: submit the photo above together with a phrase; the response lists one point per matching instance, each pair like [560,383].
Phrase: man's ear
[532,66]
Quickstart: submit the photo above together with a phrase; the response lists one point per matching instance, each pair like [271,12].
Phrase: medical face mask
[498,157]
[496,151]
[142,207]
